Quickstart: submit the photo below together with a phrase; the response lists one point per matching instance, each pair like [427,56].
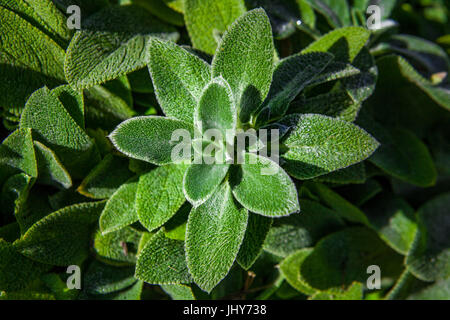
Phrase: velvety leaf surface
[29,59]
[105,178]
[120,210]
[215,231]
[355,174]
[119,247]
[257,230]
[61,238]
[15,192]
[61,134]
[17,155]
[263,187]
[354,292]
[429,257]
[160,195]
[50,169]
[302,230]
[207,21]
[163,261]
[149,138]
[178,291]
[245,58]
[113,42]
[290,269]
[290,76]
[101,278]
[319,144]
[178,77]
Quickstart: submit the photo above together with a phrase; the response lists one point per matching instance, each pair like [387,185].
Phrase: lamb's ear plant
[243,88]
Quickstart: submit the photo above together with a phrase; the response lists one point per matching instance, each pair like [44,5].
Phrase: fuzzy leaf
[160,195]
[120,210]
[257,228]
[62,134]
[201,180]
[29,59]
[261,186]
[290,269]
[429,258]
[319,145]
[344,44]
[178,77]
[101,278]
[61,238]
[215,231]
[290,77]
[17,155]
[178,291]
[105,178]
[148,138]
[354,292]
[112,43]
[206,21]
[119,247]
[303,230]
[245,58]
[163,261]
[50,169]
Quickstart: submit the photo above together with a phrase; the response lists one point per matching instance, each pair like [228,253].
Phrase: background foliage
[77,189]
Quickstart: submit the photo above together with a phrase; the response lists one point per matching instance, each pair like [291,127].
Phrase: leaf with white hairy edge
[120,209]
[178,78]
[112,43]
[245,58]
[262,186]
[160,195]
[149,138]
[215,231]
[319,144]
[163,261]
[201,180]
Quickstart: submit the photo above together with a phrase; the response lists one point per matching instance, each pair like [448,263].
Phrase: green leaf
[105,178]
[343,257]
[112,43]
[101,278]
[16,270]
[206,21]
[401,154]
[120,210]
[61,238]
[290,269]
[160,195]
[50,169]
[355,174]
[302,230]
[73,102]
[429,258]
[178,77]
[15,192]
[160,9]
[149,138]
[290,77]
[17,155]
[344,43]
[62,134]
[216,108]
[178,291]
[319,144]
[393,219]
[261,186]
[201,181]
[342,206]
[119,247]
[163,261]
[354,292]
[257,229]
[440,290]
[43,15]
[245,58]
[34,208]
[29,59]
[175,228]
[215,231]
